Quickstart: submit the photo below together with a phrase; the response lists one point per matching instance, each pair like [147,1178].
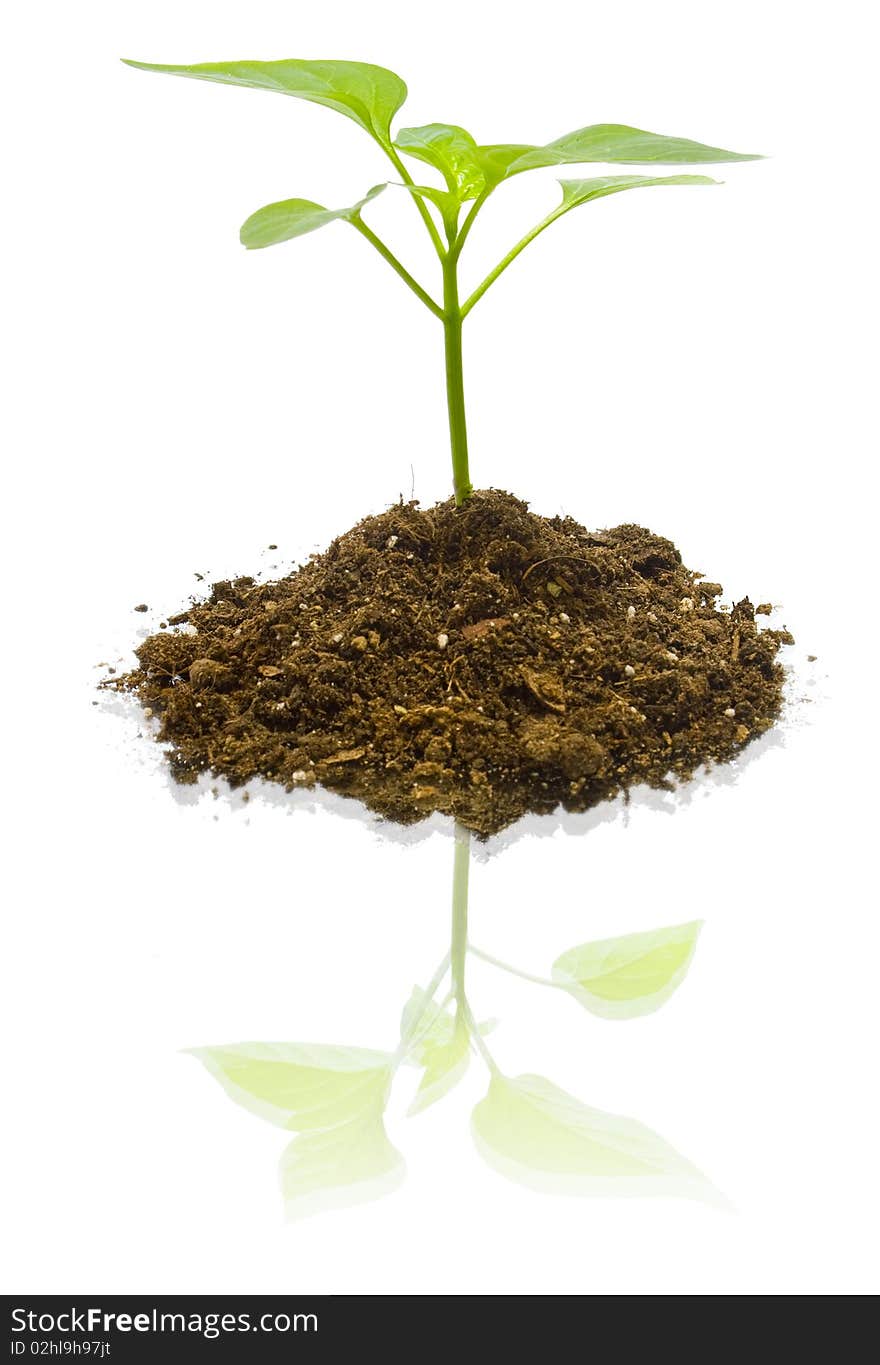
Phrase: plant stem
[469,221]
[452,319]
[506,260]
[395,264]
[458,952]
[420,204]
[514,971]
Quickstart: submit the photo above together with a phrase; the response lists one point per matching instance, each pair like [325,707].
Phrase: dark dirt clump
[477,660]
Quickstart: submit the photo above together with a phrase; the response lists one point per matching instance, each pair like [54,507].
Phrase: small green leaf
[435,1040]
[575,192]
[619,144]
[337,1167]
[539,1136]
[294,218]
[424,1025]
[445,1064]
[496,160]
[301,1086]
[446,202]
[621,978]
[452,151]
[371,95]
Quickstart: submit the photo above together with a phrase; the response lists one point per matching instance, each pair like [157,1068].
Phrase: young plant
[371,96]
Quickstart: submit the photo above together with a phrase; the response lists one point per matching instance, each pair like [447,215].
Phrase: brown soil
[480,661]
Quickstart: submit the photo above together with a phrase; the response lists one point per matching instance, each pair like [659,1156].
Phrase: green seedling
[371,96]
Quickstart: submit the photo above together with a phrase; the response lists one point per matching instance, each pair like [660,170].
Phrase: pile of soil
[479,660]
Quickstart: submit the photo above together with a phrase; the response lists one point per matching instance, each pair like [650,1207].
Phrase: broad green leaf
[619,144]
[469,169]
[621,978]
[452,151]
[337,1167]
[294,218]
[371,95]
[334,1098]
[301,1086]
[538,1135]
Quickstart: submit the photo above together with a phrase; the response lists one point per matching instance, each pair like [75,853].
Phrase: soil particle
[479,660]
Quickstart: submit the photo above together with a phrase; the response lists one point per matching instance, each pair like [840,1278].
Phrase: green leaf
[424,1025]
[452,151]
[616,143]
[334,1098]
[293,218]
[301,1086]
[445,1064]
[576,192]
[337,1167]
[435,1040]
[371,95]
[446,202]
[539,1136]
[495,160]
[469,169]
[621,978]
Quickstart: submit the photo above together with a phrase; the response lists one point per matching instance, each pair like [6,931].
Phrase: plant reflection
[334,1098]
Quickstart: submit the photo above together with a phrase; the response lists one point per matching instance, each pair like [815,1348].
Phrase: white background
[698,360]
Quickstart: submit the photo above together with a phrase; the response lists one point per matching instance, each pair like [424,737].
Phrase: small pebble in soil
[142,606]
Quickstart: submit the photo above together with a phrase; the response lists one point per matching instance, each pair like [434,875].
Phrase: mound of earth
[479,660]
